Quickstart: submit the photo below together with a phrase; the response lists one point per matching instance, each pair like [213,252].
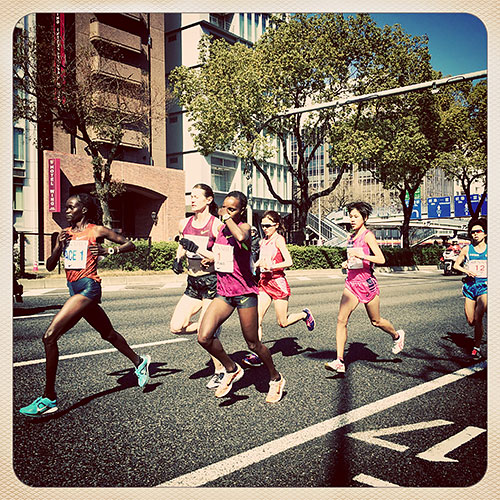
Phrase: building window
[223,170]
[18,147]
[249,26]
[242,25]
[18,197]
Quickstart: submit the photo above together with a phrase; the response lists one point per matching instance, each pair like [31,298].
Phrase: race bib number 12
[75,254]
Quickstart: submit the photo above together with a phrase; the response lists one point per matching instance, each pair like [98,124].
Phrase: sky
[457,41]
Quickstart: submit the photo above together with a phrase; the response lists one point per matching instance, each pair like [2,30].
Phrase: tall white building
[221,170]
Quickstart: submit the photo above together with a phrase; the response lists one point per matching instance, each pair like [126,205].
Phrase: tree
[234,98]
[463,109]
[400,136]
[54,87]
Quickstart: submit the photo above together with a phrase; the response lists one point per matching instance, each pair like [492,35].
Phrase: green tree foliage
[399,136]
[235,96]
[463,109]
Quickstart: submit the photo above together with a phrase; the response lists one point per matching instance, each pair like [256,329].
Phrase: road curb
[162,279]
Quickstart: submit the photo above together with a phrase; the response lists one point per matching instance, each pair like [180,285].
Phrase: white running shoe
[336,366]
[228,380]
[398,344]
[215,380]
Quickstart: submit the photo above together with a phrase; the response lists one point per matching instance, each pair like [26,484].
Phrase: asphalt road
[417,419]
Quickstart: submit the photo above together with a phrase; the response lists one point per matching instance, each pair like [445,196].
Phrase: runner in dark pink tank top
[236,289]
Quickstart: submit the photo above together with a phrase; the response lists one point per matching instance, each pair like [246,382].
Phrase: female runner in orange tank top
[79,242]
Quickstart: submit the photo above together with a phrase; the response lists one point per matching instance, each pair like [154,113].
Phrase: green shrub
[157,257]
[313,257]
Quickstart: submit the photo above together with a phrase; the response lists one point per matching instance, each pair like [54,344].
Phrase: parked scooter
[449,257]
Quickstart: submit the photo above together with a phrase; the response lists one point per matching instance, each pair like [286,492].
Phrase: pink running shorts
[277,288]
[365,291]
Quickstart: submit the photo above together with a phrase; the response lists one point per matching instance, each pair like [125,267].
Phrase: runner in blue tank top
[473,261]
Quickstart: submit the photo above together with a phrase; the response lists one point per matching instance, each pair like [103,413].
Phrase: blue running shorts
[472,289]
[87,287]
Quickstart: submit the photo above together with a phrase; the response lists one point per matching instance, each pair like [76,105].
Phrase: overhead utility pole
[433,85]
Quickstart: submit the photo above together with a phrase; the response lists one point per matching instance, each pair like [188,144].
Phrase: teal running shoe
[142,371]
[41,406]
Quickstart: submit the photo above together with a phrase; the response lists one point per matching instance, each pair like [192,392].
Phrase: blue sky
[457,41]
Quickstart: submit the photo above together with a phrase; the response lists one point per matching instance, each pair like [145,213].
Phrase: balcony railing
[114,36]
[131,139]
[114,69]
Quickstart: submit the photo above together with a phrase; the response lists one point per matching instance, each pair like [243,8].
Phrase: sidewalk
[158,279]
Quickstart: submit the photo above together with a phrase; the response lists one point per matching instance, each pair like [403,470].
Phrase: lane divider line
[242,460]
[373,481]
[100,351]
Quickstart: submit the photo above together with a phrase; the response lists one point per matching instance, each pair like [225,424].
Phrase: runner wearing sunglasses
[473,261]
[274,258]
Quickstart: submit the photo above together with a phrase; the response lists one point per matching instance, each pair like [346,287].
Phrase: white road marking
[438,452]
[100,351]
[41,291]
[302,278]
[34,316]
[172,285]
[370,436]
[232,464]
[373,481]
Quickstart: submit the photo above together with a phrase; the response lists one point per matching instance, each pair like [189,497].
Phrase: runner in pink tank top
[236,290]
[274,258]
[197,232]
[361,285]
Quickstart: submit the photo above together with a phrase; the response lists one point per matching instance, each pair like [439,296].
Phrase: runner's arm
[460,259]
[378,256]
[125,245]
[56,251]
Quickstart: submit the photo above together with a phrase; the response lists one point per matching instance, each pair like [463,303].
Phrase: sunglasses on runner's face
[267,225]
[474,231]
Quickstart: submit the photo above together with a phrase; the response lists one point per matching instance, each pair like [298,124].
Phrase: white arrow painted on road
[371,436]
[438,452]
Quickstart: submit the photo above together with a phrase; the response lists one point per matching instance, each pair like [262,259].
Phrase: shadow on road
[460,340]
[126,380]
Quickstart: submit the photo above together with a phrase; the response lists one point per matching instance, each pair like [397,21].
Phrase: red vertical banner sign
[59,55]
[54,185]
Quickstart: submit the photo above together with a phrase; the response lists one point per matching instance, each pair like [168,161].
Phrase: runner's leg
[348,303]
[98,319]
[264,301]
[373,310]
[218,366]
[481,305]
[284,319]
[64,320]
[186,308]
[217,312]
[470,306]
[249,320]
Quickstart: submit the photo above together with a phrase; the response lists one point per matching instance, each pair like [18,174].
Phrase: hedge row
[159,256]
